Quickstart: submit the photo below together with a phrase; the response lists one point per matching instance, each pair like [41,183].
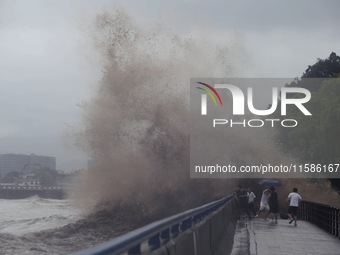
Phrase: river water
[21,218]
[37,226]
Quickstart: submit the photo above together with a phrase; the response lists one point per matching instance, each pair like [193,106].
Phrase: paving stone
[285,239]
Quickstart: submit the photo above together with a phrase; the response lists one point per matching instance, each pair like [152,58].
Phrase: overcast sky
[46,68]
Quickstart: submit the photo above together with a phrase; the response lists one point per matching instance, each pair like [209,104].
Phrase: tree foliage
[327,68]
[316,139]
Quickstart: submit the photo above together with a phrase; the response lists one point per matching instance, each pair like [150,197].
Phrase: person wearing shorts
[294,199]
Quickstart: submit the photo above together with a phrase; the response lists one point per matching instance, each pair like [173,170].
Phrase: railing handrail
[129,240]
[324,216]
[320,204]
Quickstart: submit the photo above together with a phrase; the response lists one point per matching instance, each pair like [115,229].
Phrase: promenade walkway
[259,237]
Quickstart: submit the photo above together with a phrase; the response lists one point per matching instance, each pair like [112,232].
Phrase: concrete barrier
[182,245]
[212,236]
[205,230]
[185,244]
[203,238]
[218,234]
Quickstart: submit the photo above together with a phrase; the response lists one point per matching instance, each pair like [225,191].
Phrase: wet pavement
[259,237]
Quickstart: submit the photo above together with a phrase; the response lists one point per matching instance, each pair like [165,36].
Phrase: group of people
[269,204]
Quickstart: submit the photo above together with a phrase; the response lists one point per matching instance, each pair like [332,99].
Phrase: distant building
[24,163]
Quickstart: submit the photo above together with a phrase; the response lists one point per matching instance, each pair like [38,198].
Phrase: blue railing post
[174,230]
[186,224]
[165,235]
[154,242]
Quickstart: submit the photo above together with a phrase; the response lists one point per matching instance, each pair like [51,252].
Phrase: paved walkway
[259,237]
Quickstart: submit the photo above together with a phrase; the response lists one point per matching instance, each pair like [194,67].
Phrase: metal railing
[324,216]
[151,237]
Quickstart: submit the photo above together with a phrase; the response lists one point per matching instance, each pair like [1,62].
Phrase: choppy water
[22,216]
[21,220]
[37,226]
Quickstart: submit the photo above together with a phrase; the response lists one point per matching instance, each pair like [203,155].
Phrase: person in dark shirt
[273,205]
[251,204]
[242,196]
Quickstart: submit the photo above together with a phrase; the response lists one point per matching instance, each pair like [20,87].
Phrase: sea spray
[137,125]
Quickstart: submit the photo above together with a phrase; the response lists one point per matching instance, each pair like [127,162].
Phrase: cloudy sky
[48,66]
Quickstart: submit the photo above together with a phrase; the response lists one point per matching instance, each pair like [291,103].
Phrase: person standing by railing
[242,196]
[251,204]
[294,199]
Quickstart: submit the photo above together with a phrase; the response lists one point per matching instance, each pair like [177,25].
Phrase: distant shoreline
[20,192]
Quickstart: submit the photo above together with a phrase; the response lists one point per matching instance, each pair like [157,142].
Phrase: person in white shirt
[294,199]
[264,206]
[251,204]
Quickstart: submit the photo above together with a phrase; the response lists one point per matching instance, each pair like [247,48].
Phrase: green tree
[317,139]
[326,68]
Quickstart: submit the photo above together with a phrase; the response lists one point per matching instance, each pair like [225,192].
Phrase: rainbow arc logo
[210,91]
